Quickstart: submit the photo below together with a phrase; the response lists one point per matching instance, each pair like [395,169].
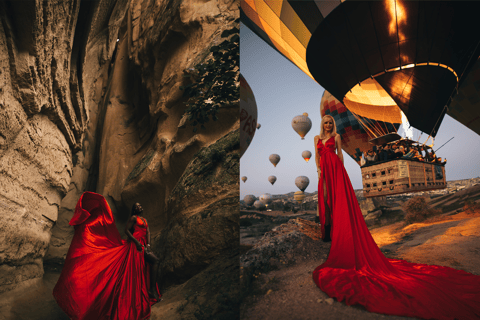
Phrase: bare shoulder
[316,137]
[133,218]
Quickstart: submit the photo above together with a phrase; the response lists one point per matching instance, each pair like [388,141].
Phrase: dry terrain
[450,239]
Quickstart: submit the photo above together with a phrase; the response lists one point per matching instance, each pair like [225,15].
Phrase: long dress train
[357,271]
[104,277]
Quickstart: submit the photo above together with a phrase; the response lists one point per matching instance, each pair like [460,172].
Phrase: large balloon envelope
[465,106]
[248,115]
[415,52]
[354,135]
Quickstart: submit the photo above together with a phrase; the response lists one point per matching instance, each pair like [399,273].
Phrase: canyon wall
[90,100]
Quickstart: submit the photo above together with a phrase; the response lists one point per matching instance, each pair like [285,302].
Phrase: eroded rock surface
[41,123]
[82,111]
[204,210]
[294,241]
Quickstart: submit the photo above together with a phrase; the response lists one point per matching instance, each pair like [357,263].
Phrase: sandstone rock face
[80,111]
[41,123]
[94,51]
[204,210]
[169,38]
[136,146]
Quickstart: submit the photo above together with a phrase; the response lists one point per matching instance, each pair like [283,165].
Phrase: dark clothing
[383,155]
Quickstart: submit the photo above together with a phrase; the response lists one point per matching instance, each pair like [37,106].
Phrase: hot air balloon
[465,106]
[398,66]
[306,155]
[266,198]
[249,199]
[274,158]
[272,179]
[417,67]
[258,125]
[248,115]
[355,131]
[258,204]
[244,178]
[302,182]
[299,196]
[302,124]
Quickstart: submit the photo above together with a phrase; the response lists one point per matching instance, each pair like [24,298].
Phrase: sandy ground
[451,240]
[33,300]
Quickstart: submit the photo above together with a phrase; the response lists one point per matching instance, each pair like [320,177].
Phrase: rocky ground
[277,270]
[254,224]
[212,294]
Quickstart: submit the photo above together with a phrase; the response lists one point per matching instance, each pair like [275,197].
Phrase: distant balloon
[299,196]
[302,124]
[244,179]
[302,182]
[248,115]
[274,158]
[306,155]
[266,198]
[257,204]
[249,199]
[272,179]
[258,125]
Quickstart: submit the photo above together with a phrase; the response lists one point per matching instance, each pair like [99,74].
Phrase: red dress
[356,270]
[104,277]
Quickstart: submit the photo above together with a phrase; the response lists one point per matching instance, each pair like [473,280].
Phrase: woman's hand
[139,247]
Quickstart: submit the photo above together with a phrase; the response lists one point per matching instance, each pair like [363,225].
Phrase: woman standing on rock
[105,277]
[141,238]
[357,271]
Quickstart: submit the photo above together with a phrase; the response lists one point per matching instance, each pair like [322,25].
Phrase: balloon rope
[384,123]
[364,125]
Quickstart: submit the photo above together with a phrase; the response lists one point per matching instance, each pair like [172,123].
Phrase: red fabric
[104,277]
[356,270]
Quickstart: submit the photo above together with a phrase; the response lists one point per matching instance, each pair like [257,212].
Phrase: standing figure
[105,277]
[328,130]
[383,155]
[141,238]
[357,271]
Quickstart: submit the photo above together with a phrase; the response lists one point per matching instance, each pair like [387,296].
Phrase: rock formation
[90,99]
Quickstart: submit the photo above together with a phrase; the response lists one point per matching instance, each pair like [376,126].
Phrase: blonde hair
[334,130]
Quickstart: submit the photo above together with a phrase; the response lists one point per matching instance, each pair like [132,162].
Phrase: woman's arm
[129,225]
[338,140]
[147,248]
[317,156]
[148,235]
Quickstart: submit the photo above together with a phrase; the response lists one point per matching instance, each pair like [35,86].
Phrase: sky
[282,91]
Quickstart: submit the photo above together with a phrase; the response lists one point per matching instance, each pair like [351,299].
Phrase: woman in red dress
[105,277]
[357,271]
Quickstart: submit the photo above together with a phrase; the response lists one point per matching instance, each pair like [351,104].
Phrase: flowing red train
[357,271]
[104,277]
